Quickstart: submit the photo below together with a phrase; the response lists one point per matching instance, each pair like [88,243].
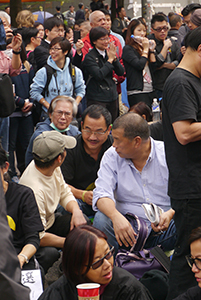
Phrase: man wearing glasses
[82,163]
[167,51]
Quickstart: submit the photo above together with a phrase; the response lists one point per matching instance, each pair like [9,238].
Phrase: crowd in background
[94,81]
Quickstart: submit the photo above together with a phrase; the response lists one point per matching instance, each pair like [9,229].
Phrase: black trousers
[112,106]
[187,217]
[141,97]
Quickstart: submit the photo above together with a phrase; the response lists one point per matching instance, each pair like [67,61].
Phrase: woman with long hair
[139,60]
[87,257]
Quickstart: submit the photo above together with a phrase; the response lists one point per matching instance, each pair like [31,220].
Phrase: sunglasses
[99,262]
[195,261]
[159,29]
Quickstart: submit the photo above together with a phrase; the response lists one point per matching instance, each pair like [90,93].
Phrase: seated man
[44,177]
[61,112]
[82,162]
[133,172]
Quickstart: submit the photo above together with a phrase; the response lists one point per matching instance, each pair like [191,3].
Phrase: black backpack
[50,71]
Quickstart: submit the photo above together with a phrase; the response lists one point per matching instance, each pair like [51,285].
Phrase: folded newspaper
[152,212]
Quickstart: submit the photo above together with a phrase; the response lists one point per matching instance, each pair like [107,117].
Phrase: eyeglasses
[99,262]
[195,261]
[60,113]
[159,29]
[90,132]
[55,49]
[104,39]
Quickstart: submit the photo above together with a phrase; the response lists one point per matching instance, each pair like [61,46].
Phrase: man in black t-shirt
[182,137]
[82,163]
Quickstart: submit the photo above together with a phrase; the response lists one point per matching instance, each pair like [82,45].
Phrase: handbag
[7,100]
[139,262]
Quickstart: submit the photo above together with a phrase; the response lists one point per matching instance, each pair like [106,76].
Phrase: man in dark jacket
[167,51]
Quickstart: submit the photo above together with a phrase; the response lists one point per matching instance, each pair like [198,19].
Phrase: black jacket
[134,65]
[123,286]
[98,73]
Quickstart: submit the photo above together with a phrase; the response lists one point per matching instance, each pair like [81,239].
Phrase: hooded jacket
[60,85]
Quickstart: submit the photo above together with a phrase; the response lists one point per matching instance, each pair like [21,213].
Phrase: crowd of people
[80,151]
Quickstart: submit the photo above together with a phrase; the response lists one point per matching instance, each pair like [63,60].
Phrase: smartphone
[76,36]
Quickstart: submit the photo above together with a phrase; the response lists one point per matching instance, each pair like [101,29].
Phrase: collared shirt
[119,180]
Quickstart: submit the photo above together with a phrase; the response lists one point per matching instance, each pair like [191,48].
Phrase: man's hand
[16,42]
[88,197]
[167,43]
[79,45]
[77,218]
[123,230]
[27,107]
[183,50]
[165,219]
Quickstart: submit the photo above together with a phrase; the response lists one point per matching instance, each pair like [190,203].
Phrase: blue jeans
[85,208]
[4,132]
[166,240]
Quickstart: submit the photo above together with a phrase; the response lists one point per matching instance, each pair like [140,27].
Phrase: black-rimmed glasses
[195,261]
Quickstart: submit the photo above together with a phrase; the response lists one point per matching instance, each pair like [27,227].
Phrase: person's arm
[79,86]
[77,215]
[166,45]
[37,87]
[123,230]
[187,131]
[16,46]
[165,219]
[27,251]
[131,56]
[86,196]
[52,240]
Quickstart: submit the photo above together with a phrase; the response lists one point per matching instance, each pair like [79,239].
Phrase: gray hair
[133,125]
[64,98]
[93,14]
[86,24]
[4,15]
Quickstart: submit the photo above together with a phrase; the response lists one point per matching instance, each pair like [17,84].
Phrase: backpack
[7,100]
[50,71]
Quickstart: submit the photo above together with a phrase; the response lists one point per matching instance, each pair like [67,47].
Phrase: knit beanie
[196,17]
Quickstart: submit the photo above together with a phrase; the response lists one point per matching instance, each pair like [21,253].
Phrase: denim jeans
[4,132]
[166,240]
[85,208]
[187,217]
[21,128]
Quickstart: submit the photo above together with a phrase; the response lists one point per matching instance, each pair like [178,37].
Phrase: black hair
[28,33]
[190,8]
[141,108]
[118,10]
[45,165]
[51,22]
[95,111]
[80,5]
[78,252]
[195,235]
[174,19]
[133,125]
[105,11]
[158,18]
[63,42]
[3,157]
[97,33]
[193,39]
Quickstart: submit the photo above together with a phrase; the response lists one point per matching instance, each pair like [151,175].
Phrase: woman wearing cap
[61,82]
[87,257]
